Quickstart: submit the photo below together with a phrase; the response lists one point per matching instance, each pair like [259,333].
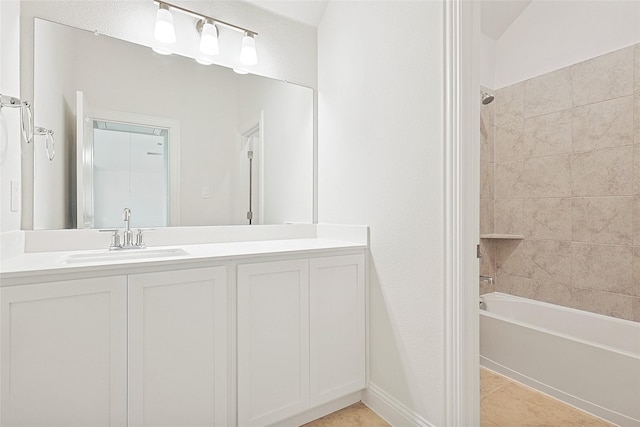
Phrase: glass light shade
[248,55]
[209,39]
[240,71]
[204,60]
[164,31]
[160,50]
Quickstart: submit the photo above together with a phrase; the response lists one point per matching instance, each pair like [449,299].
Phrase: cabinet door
[64,353]
[178,372]
[273,341]
[337,327]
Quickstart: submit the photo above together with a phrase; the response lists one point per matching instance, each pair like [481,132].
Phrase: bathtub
[587,360]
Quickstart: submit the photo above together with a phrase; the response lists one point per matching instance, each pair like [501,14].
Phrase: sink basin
[124,255]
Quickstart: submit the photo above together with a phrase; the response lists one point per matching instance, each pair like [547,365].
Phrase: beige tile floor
[356,415]
[503,403]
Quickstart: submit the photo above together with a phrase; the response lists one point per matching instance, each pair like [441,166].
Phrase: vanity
[247,332]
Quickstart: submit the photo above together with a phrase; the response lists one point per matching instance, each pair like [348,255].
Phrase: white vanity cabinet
[64,353]
[301,335]
[337,327]
[273,341]
[265,333]
[178,371]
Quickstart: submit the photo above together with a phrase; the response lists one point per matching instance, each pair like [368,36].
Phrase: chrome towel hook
[48,141]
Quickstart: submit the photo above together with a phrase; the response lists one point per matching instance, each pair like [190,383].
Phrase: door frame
[461,234]
[173,127]
[245,130]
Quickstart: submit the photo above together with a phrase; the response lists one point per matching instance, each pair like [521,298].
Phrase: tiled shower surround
[560,164]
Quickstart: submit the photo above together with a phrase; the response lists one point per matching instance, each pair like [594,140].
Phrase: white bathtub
[587,360]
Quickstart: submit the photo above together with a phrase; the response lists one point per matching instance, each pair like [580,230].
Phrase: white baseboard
[392,411]
[321,411]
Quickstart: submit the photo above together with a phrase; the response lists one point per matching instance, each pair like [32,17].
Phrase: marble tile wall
[563,151]
[487,170]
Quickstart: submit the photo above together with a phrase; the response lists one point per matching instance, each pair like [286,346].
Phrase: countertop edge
[202,256]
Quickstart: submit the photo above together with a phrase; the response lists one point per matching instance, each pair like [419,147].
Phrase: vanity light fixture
[208,36]
[207,27]
[248,54]
[164,30]
[161,51]
[203,60]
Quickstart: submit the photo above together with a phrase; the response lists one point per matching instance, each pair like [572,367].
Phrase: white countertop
[51,264]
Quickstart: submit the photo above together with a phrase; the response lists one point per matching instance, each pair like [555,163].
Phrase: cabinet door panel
[177,348]
[337,327]
[273,341]
[64,353]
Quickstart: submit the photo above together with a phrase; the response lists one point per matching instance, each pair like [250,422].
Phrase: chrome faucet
[127,235]
[487,279]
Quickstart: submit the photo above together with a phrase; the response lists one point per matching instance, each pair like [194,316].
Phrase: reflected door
[130,170]
[249,181]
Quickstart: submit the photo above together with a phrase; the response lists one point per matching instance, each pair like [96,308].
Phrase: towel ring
[48,141]
[25,113]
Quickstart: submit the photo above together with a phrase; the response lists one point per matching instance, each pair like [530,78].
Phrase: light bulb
[248,55]
[164,31]
[209,38]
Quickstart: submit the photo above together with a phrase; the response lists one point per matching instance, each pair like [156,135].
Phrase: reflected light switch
[205,192]
[15,196]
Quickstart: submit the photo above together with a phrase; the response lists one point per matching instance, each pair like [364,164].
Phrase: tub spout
[488,279]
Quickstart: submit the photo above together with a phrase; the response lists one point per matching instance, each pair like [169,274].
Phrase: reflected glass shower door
[130,170]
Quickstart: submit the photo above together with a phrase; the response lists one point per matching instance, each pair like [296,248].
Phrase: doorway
[130,169]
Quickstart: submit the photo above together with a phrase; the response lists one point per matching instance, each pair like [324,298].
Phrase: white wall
[10,139]
[380,147]
[54,108]
[549,35]
[487,61]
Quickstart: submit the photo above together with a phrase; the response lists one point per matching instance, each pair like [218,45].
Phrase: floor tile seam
[490,393]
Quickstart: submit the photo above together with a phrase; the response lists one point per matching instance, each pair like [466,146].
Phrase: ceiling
[496,15]
[308,12]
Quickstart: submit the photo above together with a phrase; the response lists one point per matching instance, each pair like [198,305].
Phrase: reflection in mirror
[130,168]
[237,149]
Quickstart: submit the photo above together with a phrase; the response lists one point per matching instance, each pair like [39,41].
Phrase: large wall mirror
[177,142]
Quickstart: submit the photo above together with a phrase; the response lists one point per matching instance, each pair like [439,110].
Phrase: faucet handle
[140,239]
[115,239]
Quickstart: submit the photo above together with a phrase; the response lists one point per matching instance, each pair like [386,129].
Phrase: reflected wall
[212,104]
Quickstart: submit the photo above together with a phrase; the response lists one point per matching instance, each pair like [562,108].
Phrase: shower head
[486,98]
